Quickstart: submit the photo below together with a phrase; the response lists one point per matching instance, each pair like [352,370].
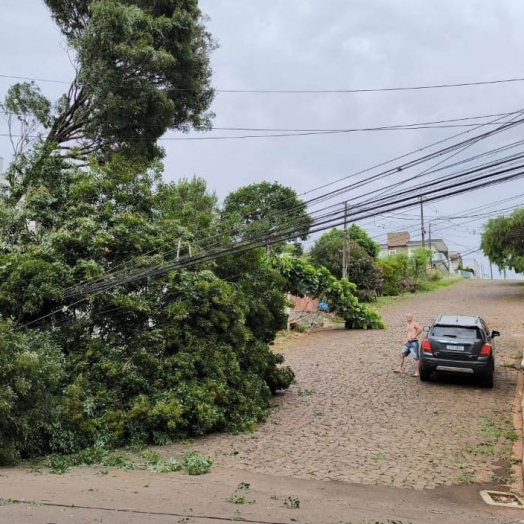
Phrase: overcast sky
[326,45]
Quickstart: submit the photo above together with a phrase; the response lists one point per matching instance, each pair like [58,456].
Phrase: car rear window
[456,332]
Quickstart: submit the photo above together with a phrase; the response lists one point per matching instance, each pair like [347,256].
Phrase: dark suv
[458,344]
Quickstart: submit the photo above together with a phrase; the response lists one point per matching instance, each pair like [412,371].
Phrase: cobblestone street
[350,418]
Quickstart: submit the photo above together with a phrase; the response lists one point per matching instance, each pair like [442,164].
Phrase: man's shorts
[411,347]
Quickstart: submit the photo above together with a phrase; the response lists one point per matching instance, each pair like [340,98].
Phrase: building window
[392,251]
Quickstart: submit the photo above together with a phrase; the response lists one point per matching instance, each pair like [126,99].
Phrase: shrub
[31,369]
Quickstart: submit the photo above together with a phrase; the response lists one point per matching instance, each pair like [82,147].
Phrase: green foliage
[195,464]
[503,241]
[327,250]
[393,271]
[402,273]
[303,279]
[26,111]
[360,237]
[365,273]
[31,369]
[362,268]
[292,503]
[142,68]
[267,210]
[144,362]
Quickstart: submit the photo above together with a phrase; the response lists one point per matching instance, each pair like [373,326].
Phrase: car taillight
[486,350]
[426,346]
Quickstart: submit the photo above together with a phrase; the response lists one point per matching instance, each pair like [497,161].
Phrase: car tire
[487,381]
[424,374]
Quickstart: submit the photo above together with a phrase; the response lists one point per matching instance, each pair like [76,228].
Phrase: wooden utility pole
[430,250]
[345,244]
[422,222]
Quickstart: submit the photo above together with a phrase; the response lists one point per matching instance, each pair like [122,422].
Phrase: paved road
[363,423]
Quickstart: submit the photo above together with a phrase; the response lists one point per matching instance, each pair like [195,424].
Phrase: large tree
[267,212]
[362,269]
[142,68]
[126,347]
[327,250]
[503,241]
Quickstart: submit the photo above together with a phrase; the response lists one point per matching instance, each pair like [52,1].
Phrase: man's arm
[419,329]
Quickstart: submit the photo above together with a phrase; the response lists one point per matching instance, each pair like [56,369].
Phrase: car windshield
[468,333]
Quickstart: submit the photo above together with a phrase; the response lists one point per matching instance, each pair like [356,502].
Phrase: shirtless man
[413,331]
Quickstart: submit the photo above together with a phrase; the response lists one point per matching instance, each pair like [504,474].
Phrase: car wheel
[487,381]
[424,374]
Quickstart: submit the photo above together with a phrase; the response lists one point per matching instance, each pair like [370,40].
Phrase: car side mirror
[495,334]
[426,329]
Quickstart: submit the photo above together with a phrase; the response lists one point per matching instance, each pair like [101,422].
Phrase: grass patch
[384,302]
[488,428]
[484,448]
[511,434]
[305,392]
[378,456]
[238,499]
[427,286]
[467,477]
[502,480]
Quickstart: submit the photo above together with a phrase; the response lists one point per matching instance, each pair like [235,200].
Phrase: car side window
[484,326]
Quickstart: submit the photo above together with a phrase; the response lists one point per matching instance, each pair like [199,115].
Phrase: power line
[322,223]
[324,219]
[307,130]
[315,91]
[477,183]
[412,127]
[347,188]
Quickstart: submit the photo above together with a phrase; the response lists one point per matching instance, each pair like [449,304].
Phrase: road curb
[518,421]
[518,446]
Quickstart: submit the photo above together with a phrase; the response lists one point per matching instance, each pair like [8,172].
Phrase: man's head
[409,317]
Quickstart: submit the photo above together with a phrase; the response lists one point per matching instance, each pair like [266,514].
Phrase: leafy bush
[392,275]
[402,273]
[31,369]
[195,464]
[144,362]
[365,273]
[304,279]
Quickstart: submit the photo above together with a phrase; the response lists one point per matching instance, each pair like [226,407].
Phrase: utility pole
[345,245]
[491,269]
[430,251]
[422,222]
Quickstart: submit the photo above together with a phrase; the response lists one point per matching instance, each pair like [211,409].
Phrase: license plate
[455,348]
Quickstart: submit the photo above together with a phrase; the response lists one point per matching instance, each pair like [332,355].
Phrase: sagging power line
[315,91]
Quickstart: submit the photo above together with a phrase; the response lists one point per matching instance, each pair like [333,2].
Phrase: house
[455,261]
[400,242]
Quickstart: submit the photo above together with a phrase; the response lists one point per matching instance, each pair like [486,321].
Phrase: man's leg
[414,348]
[400,364]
